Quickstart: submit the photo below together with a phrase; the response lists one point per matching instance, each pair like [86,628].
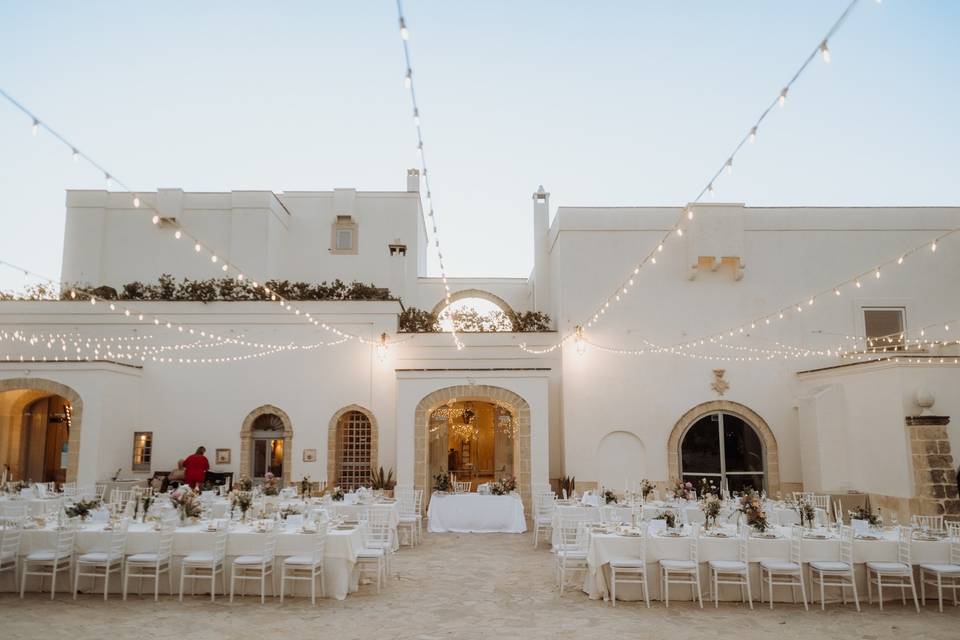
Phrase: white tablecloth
[604,547]
[340,571]
[475,513]
[36,507]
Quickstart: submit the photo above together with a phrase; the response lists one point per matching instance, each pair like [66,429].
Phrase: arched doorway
[473,439]
[724,441]
[518,409]
[266,443]
[40,423]
[352,447]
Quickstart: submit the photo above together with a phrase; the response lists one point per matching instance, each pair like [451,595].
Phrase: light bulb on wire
[783,97]
[824,51]
[35,128]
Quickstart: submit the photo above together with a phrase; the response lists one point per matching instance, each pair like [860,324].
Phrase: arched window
[723,447]
[267,446]
[354,444]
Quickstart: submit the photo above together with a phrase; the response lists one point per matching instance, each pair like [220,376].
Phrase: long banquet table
[341,574]
[475,513]
[606,546]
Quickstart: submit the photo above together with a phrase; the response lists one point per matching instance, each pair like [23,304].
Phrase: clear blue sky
[614,103]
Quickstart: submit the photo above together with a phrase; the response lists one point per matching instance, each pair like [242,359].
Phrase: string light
[748,137]
[824,51]
[35,128]
[429,209]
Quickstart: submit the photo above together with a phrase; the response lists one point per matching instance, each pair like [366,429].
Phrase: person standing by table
[195,468]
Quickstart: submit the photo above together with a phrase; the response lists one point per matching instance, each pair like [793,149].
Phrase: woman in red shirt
[195,468]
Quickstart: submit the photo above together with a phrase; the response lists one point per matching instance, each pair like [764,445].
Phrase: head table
[341,575]
[603,547]
[475,513]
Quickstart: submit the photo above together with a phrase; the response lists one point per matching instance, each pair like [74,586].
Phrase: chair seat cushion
[99,557]
[248,560]
[301,560]
[941,568]
[779,565]
[728,565]
[142,558]
[678,565]
[45,555]
[573,554]
[409,519]
[7,555]
[829,566]
[369,552]
[628,563]
[890,567]
[201,558]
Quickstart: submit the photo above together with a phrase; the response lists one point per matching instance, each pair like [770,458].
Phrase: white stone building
[821,422]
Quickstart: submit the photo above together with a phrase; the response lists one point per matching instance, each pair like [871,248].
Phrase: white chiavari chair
[101,489]
[943,575]
[307,567]
[378,521]
[256,567]
[152,565]
[88,492]
[927,523]
[50,562]
[100,564]
[11,534]
[410,518]
[898,575]
[572,546]
[119,499]
[612,514]
[376,540]
[786,573]
[836,573]
[806,496]
[462,487]
[69,489]
[733,572]
[631,569]
[838,513]
[205,565]
[683,570]
[543,510]
[14,510]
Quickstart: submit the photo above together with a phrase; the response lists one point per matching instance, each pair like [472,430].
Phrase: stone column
[934,470]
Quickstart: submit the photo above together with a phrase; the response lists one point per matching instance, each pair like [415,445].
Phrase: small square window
[884,328]
[142,450]
[344,239]
[344,236]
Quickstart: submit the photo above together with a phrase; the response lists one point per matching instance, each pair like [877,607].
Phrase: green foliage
[224,289]
[531,321]
[569,483]
[380,480]
[39,291]
[413,320]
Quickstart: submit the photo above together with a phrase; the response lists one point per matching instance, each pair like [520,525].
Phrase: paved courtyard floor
[456,586]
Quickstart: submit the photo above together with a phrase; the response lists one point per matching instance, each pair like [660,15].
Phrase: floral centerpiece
[609,497]
[82,508]
[290,510]
[186,502]
[337,494]
[441,483]
[669,516]
[271,486]
[245,484]
[306,488]
[808,513]
[142,506]
[862,513]
[710,506]
[14,487]
[683,490]
[751,506]
[706,487]
[504,486]
[242,500]
[646,488]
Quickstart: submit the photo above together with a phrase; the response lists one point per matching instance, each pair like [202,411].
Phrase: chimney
[413,180]
[541,251]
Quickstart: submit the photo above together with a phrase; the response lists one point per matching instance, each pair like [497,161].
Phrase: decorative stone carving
[719,384]
[924,399]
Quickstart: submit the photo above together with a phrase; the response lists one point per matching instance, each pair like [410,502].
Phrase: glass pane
[884,326]
[742,483]
[259,458]
[741,445]
[700,449]
[276,458]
